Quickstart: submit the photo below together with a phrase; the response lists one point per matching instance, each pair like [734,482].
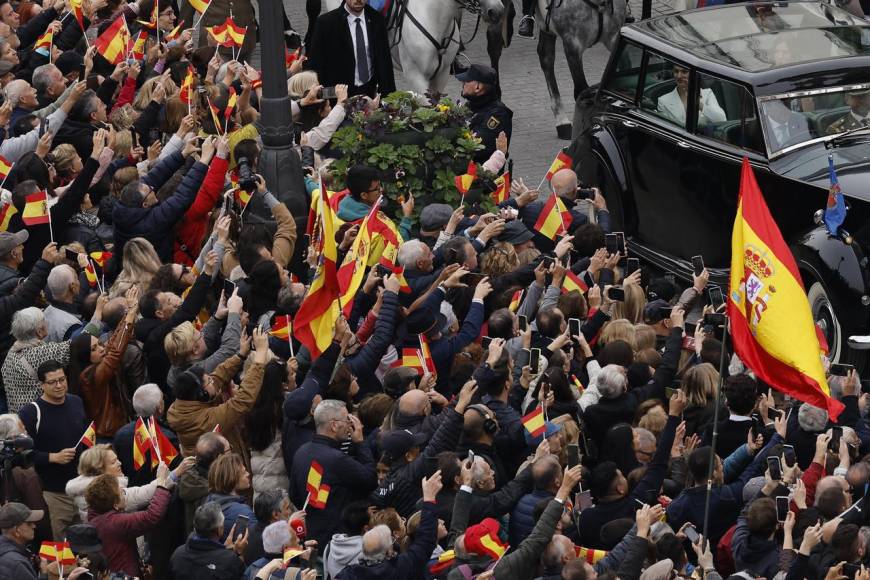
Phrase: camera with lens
[247,179]
[17,452]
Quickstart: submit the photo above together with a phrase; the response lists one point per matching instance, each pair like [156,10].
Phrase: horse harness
[399,10]
[598,7]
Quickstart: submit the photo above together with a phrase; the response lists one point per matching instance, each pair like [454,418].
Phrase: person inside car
[673,104]
[858,114]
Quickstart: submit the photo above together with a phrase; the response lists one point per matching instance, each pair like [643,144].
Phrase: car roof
[764,40]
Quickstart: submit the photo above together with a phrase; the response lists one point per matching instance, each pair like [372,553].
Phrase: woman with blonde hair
[499,259]
[644,336]
[619,329]
[102,459]
[300,83]
[67,163]
[700,383]
[141,262]
[631,308]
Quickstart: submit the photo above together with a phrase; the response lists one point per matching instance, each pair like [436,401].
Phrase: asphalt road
[534,143]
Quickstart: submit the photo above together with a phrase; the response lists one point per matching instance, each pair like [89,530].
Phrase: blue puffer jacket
[523,517]
[365,362]
[156,223]
[232,507]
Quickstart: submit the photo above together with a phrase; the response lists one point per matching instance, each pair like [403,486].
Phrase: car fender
[603,164]
[838,267]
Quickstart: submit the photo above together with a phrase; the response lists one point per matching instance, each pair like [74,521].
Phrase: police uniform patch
[492,123]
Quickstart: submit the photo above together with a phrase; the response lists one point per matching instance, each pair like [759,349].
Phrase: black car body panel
[672,183]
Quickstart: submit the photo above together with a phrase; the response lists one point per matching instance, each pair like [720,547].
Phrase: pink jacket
[119,531]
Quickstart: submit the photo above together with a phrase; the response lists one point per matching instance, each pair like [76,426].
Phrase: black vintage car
[686,96]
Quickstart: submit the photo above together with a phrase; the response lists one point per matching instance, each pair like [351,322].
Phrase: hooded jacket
[205,559]
[14,561]
[232,507]
[758,555]
[192,490]
[342,551]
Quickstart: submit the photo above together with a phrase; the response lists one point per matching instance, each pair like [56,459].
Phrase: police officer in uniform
[858,114]
[491,116]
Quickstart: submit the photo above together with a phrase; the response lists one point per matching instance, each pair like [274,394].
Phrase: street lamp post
[279,163]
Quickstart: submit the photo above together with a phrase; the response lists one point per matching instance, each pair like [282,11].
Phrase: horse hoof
[563,132]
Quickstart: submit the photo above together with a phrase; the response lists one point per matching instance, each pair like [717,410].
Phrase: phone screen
[836,434]
[583,500]
[81,72]
[692,534]
[573,455]
[697,265]
[616,294]
[229,288]
[631,266]
[71,254]
[611,244]
[574,327]
[484,342]
[620,242]
[775,468]
[840,370]
[670,392]
[241,525]
[789,455]
[716,298]
[781,507]
[535,360]
[523,322]
[327,93]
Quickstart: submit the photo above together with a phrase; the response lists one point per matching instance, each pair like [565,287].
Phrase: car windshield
[796,118]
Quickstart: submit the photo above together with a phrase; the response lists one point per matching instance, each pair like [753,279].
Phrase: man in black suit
[350,46]
[741,397]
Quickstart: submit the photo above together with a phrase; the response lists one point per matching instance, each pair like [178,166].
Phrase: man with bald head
[193,483]
[567,187]
[558,553]
[547,477]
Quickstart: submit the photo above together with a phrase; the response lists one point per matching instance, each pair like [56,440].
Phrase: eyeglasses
[377,189]
[184,271]
[54,382]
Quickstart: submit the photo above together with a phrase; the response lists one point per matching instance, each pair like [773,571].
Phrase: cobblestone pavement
[534,143]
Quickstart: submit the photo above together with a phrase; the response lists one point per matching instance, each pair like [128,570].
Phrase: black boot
[527,27]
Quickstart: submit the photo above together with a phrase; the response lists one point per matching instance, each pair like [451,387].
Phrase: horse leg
[574,54]
[494,44]
[547,58]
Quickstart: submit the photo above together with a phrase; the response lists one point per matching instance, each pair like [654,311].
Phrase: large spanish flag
[112,43]
[36,209]
[771,323]
[353,268]
[315,321]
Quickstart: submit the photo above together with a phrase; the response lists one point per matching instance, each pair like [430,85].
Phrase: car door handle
[683,144]
[629,123]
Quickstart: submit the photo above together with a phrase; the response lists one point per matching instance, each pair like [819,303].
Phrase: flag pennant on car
[573,282]
[463,182]
[534,422]
[771,323]
[36,209]
[502,188]
[554,218]
[44,42]
[112,43]
[835,211]
[561,161]
[516,300]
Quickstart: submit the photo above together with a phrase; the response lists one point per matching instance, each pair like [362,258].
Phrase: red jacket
[191,230]
[119,531]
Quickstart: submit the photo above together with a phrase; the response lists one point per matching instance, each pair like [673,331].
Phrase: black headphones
[201,395]
[490,425]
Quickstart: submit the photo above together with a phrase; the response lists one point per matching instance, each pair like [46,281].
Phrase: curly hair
[499,259]
[103,493]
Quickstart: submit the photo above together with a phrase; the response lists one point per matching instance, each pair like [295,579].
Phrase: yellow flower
[443,108]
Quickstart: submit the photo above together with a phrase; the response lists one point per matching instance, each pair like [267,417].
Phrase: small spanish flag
[554,218]
[6,216]
[90,436]
[577,383]
[136,48]
[319,501]
[59,552]
[426,356]
[281,328]
[242,197]
[315,477]
[534,422]
[112,43]
[91,274]
[174,33]
[463,182]
[214,115]
[141,443]
[492,546]
[404,288]
[573,282]
[218,33]
[516,300]
[442,562]
[155,15]
[291,553]
[502,188]
[76,6]
[186,86]
[561,161]
[100,258]
[235,32]
[44,42]
[5,167]
[36,209]
[411,358]
[200,5]
[168,452]
[591,555]
[231,103]
[217,428]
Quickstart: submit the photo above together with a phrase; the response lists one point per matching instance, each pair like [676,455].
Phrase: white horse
[580,24]
[425,36]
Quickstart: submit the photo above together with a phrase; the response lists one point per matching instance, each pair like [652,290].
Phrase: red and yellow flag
[5,167]
[242,197]
[155,15]
[100,258]
[6,216]
[35,209]
[89,438]
[318,500]
[411,358]
[561,161]
[315,477]
[215,111]
[174,33]
[291,553]
[136,46]
[112,43]
[44,42]
[534,422]
[78,12]
[426,356]
[186,92]
[235,33]
[59,552]
[281,328]
[516,300]
[91,274]
[166,450]
[573,282]
[502,188]
[231,103]
[576,382]
[200,5]
[771,322]
[218,33]
[591,555]
[493,546]
[141,443]
[315,320]
[554,218]
[463,182]
[353,268]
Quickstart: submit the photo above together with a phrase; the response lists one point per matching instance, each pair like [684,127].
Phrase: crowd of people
[499,402]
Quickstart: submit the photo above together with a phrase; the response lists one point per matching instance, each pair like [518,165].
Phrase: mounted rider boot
[527,27]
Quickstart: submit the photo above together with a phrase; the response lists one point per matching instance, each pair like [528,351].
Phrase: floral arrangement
[419,143]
